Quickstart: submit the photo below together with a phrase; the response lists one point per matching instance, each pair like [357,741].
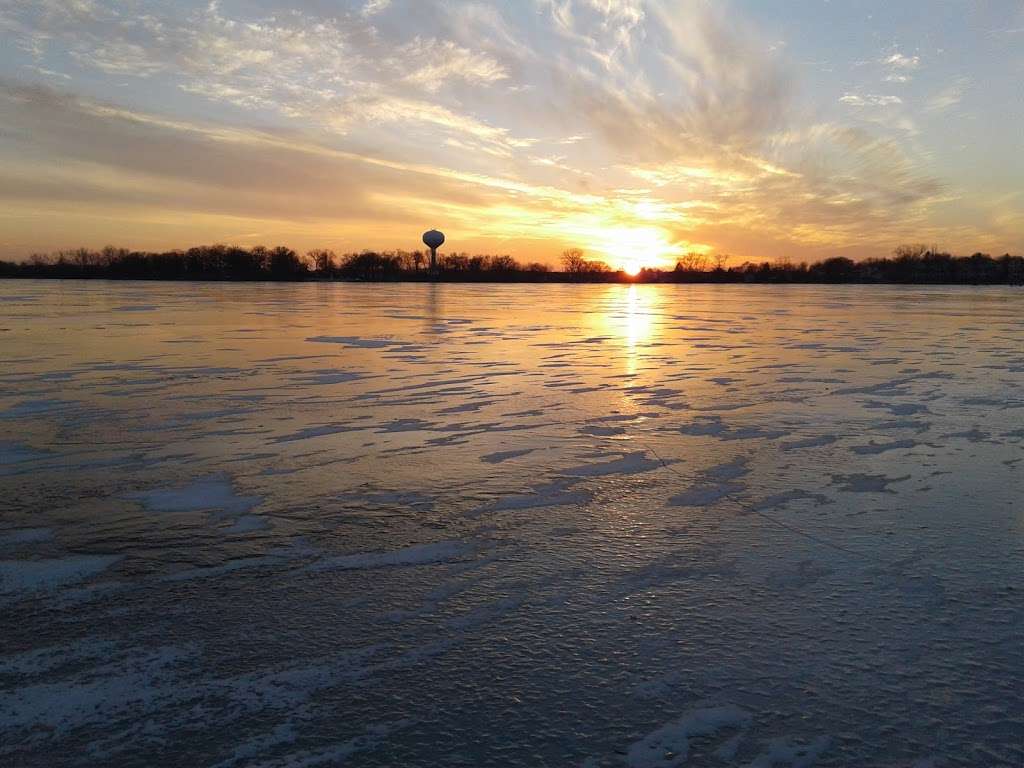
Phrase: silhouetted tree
[573,261]
[912,252]
[837,270]
[322,261]
[371,266]
[285,264]
[692,262]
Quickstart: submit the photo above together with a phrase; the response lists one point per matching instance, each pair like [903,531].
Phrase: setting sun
[632,248]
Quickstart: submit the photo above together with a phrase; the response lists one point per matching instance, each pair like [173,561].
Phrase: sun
[632,249]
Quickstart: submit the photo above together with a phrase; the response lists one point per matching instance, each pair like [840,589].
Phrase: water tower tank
[433,240]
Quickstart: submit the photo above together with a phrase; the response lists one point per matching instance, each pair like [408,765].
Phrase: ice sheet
[510,526]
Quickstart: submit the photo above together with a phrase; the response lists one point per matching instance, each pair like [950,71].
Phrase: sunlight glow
[633,248]
[639,326]
[628,316]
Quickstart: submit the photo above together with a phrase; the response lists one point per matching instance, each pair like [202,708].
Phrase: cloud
[899,67]
[701,81]
[120,58]
[949,96]
[900,61]
[336,72]
[439,62]
[373,7]
[869,100]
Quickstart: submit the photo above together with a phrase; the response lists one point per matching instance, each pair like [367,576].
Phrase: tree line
[908,264]
[225,262]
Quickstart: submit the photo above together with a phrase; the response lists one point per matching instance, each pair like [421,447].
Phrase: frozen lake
[410,525]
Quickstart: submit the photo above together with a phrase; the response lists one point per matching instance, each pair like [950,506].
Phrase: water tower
[433,240]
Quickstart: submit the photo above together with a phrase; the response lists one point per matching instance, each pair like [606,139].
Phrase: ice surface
[630,464]
[669,746]
[501,456]
[238,564]
[336,754]
[212,493]
[713,484]
[353,341]
[860,483]
[422,554]
[16,453]
[876,448]
[782,752]
[25,536]
[23,408]
[24,576]
[247,524]
[554,494]
[507,526]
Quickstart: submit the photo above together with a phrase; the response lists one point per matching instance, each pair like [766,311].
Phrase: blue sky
[636,129]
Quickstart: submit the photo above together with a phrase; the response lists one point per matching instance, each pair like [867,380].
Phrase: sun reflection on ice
[631,319]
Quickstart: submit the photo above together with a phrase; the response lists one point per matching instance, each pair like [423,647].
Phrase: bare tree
[574,261]
[911,252]
[322,260]
[692,262]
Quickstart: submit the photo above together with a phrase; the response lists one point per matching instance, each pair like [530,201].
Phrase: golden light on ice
[628,316]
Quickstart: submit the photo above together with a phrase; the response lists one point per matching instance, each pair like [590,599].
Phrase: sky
[637,130]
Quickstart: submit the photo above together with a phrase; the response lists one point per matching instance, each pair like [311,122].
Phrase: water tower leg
[433,259]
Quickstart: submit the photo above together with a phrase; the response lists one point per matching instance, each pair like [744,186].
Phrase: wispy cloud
[373,7]
[435,63]
[949,96]
[869,100]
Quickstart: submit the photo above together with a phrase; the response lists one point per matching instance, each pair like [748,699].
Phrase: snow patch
[421,554]
[502,456]
[669,746]
[861,483]
[355,341]
[211,493]
[630,464]
[28,576]
[781,752]
[26,536]
[714,484]
[554,494]
[18,453]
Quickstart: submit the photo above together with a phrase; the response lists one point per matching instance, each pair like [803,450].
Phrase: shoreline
[543,279]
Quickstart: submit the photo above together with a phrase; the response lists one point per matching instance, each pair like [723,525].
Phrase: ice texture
[213,493]
[421,554]
[669,746]
[511,526]
[20,577]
